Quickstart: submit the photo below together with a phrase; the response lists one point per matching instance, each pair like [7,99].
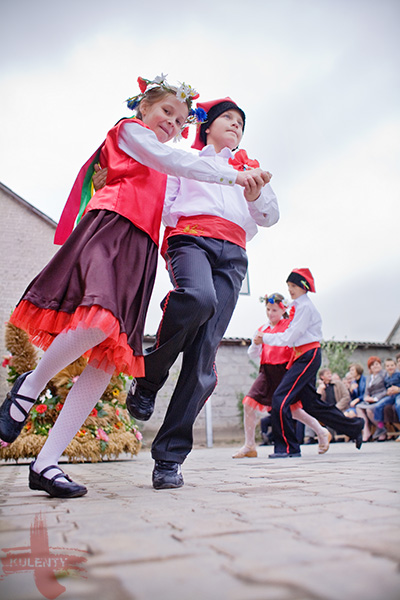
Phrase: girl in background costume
[304,335]
[273,364]
[92,297]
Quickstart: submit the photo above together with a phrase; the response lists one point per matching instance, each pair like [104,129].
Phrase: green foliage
[338,355]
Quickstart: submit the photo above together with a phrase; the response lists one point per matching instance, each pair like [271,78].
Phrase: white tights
[251,418]
[80,401]
[78,405]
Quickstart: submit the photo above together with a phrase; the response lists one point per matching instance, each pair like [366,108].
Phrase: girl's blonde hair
[154,95]
[278,299]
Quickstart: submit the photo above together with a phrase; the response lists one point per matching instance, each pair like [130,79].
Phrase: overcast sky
[319,82]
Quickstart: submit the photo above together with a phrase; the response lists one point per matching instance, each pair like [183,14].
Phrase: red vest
[275,355]
[133,190]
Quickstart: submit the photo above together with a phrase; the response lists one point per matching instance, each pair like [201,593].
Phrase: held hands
[99,177]
[253,180]
[258,338]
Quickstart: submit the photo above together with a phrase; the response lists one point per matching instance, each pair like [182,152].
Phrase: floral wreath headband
[274,299]
[184,93]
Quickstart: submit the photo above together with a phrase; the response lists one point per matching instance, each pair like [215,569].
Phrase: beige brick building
[26,245]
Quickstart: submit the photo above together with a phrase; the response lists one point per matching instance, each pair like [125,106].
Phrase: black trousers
[207,275]
[299,384]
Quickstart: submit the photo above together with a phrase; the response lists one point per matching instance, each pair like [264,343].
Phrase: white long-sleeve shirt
[305,328]
[186,197]
[142,144]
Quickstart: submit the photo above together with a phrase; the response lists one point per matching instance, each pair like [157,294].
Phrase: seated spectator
[357,388]
[392,397]
[332,391]
[374,391]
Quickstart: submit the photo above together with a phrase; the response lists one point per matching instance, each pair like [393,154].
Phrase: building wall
[26,245]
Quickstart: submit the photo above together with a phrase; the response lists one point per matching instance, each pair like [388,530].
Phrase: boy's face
[226,130]
[326,377]
[390,367]
[295,291]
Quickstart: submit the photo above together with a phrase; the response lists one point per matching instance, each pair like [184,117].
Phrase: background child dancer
[273,365]
[303,335]
[93,295]
[207,262]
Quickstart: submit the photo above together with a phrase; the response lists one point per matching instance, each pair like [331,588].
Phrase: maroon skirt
[102,277]
[266,383]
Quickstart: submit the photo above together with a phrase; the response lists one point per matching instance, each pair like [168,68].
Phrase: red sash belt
[300,350]
[209,226]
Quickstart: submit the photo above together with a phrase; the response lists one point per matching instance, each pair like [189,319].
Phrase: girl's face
[165,117]
[274,313]
[295,291]
[375,367]
[226,131]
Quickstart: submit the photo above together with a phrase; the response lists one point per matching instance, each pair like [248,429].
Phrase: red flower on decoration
[59,406]
[241,162]
[41,408]
[94,413]
[195,97]
[6,361]
[142,84]
[185,132]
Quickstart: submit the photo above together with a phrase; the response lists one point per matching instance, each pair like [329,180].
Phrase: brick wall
[26,245]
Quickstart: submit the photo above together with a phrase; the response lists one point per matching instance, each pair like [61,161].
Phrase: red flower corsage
[241,162]
[142,84]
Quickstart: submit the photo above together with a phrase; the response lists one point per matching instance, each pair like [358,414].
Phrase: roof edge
[27,205]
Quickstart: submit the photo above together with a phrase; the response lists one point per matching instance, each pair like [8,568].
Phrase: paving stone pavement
[312,528]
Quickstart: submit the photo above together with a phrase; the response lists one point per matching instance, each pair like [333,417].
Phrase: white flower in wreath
[160,79]
[185,91]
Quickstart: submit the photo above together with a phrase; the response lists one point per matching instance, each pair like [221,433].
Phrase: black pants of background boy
[305,435]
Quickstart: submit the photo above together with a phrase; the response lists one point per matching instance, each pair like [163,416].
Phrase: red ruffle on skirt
[43,325]
[256,405]
[101,277]
[266,409]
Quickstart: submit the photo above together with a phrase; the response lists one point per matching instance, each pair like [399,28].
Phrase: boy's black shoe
[285,455]
[167,475]
[140,403]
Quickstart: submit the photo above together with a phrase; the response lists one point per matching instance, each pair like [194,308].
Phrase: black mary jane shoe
[57,489]
[9,427]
